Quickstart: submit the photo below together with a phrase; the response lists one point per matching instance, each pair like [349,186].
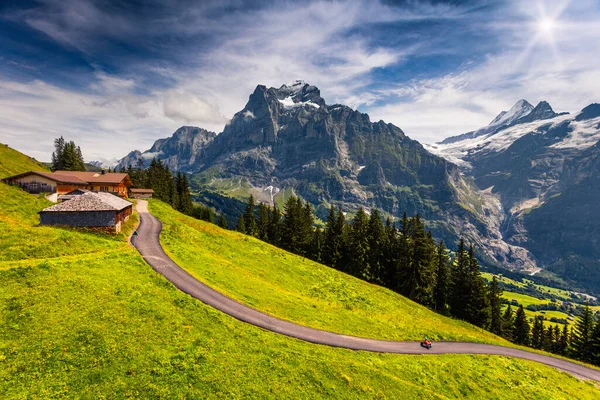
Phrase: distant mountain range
[491,185]
[544,169]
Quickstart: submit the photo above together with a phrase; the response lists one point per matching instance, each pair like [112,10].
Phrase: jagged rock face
[541,112]
[330,154]
[292,137]
[130,159]
[180,152]
[590,112]
[544,171]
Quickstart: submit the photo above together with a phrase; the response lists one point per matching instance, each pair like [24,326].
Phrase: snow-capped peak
[294,87]
[519,110]
[299,93]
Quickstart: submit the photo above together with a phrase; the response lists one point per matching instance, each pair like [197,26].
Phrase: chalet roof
[142,191]
[57,177]
[90,201]
[97,177]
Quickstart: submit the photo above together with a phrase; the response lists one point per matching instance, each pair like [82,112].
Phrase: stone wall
[82,218]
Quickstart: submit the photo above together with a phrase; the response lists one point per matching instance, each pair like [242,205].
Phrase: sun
[546,25]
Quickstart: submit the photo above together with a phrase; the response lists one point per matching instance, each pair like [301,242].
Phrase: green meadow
[83,316]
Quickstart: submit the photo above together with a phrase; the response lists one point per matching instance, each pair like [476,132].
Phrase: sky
[115,76]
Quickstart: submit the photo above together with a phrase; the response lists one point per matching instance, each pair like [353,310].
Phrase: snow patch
[583,134]
[361,167]
[249,115]
[289,103]
[456,152]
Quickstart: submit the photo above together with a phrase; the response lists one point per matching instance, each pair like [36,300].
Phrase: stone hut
[93,210]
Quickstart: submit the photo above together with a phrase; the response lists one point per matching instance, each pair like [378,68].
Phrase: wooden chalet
[62,182]
[141,193]
[111,182]
[45,182]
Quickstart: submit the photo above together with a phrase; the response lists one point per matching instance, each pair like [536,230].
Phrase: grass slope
[101,324]
[13,162]
[297,289]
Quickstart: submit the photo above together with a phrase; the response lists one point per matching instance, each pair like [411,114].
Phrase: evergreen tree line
[581,342]
[406,259]
[171,188]
[403,258]
[66,156]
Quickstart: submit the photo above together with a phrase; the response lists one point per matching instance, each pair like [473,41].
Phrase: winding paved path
[148,244]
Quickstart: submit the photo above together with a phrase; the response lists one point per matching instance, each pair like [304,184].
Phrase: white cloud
[104,123]
[190,108]
[564,71]
[281,43]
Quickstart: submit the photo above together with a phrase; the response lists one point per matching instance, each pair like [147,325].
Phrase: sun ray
[544,29]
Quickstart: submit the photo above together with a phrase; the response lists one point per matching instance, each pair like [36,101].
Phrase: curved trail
[148,244]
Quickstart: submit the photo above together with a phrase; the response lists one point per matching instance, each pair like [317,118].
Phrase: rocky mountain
[180,151]
[506,118]
[289,140]
[543,169]
[104,163]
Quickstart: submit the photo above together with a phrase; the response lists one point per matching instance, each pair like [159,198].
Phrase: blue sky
[115,76]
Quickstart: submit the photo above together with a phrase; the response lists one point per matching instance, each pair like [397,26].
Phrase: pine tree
[58,154]
[182,200]
[377,245]
[222,222]
[478,301]
[403,254]
[306,229]
[359,246]
[537,332]
[495,295]
[333,246]
[442,283]
[274,231]
[508,323]
[241,224]
[390,262]
[263,222]
[80,164]
[595,343]
[316,245]
[555,348]
[249,218]
[582,339]
[548,339]
[417,278]
[563,342]
[295,237]
[522,329]
[459,284]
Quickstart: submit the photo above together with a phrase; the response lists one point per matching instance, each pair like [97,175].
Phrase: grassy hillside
[13,162]
[300,290]
[92,320]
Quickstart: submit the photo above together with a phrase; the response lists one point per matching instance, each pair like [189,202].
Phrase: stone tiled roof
[91,202]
